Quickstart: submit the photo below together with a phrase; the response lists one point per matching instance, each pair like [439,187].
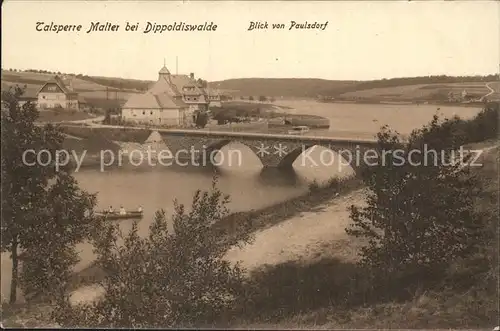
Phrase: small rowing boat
[118,216]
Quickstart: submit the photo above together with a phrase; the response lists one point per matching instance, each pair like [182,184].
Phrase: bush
[165,280]
[485,125]
[418,218]
[201,120]
[314,186]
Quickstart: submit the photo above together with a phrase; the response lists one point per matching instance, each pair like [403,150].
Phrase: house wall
[215,103]
[48,98]
[154,116]
[51,100]
[195,107]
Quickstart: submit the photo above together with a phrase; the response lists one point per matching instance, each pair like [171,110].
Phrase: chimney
[191,75]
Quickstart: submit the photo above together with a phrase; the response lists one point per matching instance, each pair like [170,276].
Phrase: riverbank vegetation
[40,204]
[430,258]
[240,111]
[62,115]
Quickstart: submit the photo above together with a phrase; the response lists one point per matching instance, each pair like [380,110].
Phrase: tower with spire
[164,72]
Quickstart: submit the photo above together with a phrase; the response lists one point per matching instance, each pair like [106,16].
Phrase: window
[151,113]
[43,97]
[143,112]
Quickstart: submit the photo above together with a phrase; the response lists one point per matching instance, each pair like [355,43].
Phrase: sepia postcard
[250,164]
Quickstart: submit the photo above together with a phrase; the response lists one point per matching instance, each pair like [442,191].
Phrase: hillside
[397,89]
[420,92]
[113,92]
[94,93]
[277,87]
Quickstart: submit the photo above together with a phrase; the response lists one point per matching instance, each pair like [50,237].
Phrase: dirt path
[490,92]
[311,235]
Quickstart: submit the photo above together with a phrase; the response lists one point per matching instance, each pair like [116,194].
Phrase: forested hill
[286,87]
[305,87]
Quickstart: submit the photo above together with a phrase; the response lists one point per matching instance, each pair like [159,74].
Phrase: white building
[57,94]
[173,100]
[214,97]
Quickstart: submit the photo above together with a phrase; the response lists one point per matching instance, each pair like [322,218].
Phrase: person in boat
[110,210]
[139,210]
[122,211]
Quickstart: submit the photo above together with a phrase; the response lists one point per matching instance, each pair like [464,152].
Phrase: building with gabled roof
[57,94]
[173,100]
[214,97]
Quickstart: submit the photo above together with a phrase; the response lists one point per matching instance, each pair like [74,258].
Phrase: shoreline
[252,221]
[413,103]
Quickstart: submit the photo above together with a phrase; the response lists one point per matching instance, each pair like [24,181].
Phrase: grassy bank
[110,134]
[54,116]
[236,111]
[254,220]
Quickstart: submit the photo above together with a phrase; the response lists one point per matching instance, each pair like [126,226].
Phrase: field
[97,95]
[401,88]
[62,116]
[39,79]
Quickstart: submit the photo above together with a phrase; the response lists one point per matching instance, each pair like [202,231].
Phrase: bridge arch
[220,144]
[341,158]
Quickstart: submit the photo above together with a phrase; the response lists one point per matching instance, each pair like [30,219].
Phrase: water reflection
[270,176]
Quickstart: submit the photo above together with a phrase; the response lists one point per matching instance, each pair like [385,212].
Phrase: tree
[202,83]
[168,279]
[44,213]
[262,98]
[107,116]
[201,120]
[419,214]
[250,98]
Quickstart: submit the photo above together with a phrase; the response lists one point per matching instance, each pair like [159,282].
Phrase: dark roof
[59,82]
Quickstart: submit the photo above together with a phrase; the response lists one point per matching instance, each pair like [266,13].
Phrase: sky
[363,39]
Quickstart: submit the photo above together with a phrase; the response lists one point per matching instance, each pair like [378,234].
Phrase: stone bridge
[273,150]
